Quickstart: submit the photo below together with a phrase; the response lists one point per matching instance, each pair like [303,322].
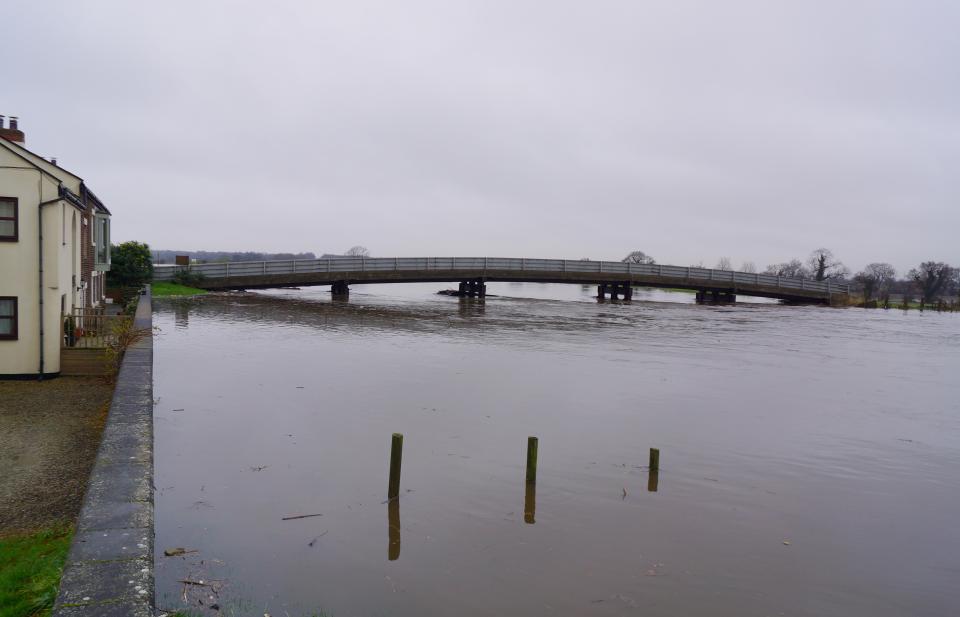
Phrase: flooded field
[810,457]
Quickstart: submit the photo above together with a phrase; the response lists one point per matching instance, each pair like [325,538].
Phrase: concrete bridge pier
[716,297]
[472,289]
[615,290]
[340,288]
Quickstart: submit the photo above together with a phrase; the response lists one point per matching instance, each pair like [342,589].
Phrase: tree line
[167,256]
[933,281]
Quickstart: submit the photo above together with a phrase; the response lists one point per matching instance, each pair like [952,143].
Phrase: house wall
[93,293]
[19,267]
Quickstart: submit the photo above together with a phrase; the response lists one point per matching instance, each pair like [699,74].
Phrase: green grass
[30,567]
[166,289]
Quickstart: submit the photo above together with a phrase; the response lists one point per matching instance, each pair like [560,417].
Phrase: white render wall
[19,266]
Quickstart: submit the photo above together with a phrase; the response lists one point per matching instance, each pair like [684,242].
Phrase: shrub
[131,265]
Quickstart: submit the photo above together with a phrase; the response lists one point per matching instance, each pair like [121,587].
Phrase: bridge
[613,279]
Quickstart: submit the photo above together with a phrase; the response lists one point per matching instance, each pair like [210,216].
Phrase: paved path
[109,571]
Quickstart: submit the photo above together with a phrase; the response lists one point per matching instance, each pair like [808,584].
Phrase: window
[8,318]
[8,219]
[101,240]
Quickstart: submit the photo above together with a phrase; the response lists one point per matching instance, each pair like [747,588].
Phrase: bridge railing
[482,264]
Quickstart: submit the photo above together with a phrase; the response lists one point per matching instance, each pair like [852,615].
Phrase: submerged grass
[166,289]
[30,567]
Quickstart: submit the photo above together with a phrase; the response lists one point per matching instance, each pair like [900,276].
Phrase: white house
[54,255]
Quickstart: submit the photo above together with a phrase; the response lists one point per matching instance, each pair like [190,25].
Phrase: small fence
[90,328]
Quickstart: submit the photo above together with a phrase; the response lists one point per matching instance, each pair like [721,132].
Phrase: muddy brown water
[810,457]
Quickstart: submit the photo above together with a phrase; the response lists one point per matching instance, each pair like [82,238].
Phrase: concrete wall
[109,571]
[19,266]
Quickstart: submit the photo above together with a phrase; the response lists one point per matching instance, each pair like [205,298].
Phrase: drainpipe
[40,260]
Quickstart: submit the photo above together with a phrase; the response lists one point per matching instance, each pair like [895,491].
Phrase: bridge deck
[301,273]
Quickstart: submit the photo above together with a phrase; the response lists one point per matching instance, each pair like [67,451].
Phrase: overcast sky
[690,130]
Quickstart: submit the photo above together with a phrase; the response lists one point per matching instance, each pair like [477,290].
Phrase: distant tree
[876,277]
[931,278]
[638,257]
[748,266]
[131,265]
[724,264]
[823,265]
[357,251]
[792,268]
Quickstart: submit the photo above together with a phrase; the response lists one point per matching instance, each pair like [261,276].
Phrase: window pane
[6,208]
[6,326]
[7,228]
[7,308]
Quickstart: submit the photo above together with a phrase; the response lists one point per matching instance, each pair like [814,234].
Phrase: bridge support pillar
[615,290]
[340,288]
[716,297]
[475,288]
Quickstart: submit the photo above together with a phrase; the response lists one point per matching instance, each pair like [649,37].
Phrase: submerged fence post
[654,459]
[396,454]
[531,459]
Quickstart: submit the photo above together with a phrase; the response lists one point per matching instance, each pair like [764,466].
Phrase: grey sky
[691,130]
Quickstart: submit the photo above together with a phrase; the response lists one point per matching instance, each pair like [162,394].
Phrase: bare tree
[930,278]
[876,277]
[748,266]
[823,265]
[792,268]
[724,264]
[638,257]
[357,251]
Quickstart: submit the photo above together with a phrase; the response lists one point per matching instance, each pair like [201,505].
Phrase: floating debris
[314,541]
[296,516]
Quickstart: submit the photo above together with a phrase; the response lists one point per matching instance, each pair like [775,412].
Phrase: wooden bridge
[614,279]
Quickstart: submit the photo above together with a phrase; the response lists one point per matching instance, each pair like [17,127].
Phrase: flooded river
[810,457]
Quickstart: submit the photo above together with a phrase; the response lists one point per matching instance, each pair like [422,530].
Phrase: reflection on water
[813,454]
[393,529]
[530,503]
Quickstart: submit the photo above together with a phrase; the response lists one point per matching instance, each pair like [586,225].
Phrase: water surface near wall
[809,455]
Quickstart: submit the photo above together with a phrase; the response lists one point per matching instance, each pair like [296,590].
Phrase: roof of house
[57,173]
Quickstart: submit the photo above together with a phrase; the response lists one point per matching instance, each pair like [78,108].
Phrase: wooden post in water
[396,454]
[654,459]
[532,459]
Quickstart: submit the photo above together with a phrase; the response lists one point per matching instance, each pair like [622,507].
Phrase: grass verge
[30,567]
[166,289]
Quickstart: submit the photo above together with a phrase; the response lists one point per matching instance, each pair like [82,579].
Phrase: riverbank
[166,289]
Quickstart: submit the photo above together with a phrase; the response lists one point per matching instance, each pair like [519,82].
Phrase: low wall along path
[109,571]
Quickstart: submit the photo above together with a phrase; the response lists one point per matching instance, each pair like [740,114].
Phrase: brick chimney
[13,133]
